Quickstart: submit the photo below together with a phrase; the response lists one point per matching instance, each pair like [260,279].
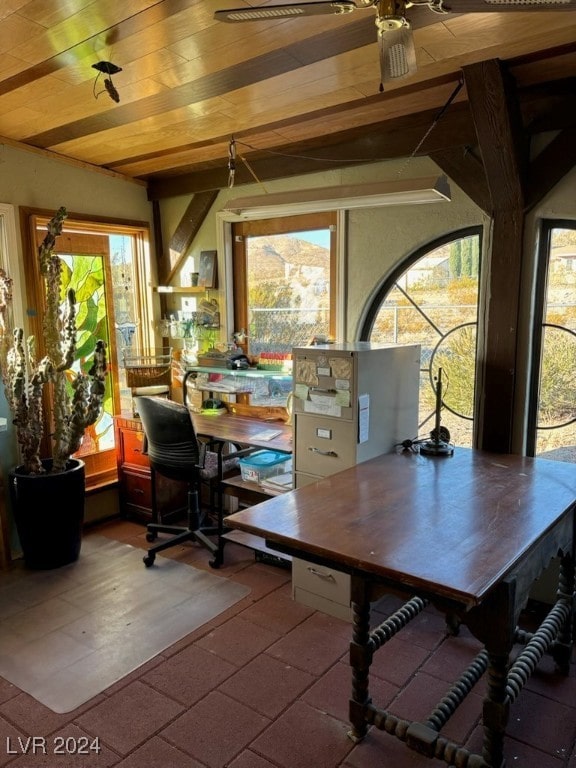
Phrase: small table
[470,534]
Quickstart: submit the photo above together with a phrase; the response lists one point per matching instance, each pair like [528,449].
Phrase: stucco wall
[376,238]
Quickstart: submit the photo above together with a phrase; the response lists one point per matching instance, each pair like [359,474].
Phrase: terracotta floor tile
[157,753]
[397,661]
[215,730]
[420,698]
[303,737]
[332,691]
[267,685]
[277,612]
[249,759]
[311,649]
[124,721]
[238,640]
[189,675]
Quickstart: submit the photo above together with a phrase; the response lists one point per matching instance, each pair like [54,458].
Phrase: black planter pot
[49,514]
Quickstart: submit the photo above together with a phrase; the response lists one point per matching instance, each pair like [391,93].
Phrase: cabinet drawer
[319,580]
[137,489]
[323,445]
[133,445]
[301,479]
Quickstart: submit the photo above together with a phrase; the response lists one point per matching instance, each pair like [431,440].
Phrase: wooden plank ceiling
[297,95]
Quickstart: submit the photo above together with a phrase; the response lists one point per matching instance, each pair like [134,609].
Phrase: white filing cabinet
[351,402]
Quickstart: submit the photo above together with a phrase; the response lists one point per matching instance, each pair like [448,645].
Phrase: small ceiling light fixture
[107,68]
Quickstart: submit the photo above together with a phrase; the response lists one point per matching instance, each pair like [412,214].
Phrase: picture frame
[207,274]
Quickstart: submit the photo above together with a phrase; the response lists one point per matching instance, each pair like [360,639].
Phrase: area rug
[67,634]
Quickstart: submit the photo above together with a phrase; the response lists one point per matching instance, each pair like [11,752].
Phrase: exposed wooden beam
[185,233]
[466,170]
[496,115]
[368,144]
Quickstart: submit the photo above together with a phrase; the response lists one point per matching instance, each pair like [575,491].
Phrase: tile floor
[266,685]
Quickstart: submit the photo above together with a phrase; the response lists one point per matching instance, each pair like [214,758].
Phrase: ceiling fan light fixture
[397,51]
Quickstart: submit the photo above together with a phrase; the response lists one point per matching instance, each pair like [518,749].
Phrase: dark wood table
[470,534]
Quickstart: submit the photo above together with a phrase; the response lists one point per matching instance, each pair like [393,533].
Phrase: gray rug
[67,634]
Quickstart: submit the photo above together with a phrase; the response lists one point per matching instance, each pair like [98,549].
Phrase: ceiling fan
[394,31]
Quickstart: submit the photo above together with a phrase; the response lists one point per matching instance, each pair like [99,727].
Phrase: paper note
[363,418]
[269,434]
[301,391]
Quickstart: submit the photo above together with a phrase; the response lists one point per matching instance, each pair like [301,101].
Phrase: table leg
[360,658]
[562,649]
[494,624]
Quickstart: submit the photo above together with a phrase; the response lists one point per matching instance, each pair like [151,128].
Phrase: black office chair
[175,452]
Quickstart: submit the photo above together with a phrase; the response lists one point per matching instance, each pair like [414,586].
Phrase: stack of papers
[278,483]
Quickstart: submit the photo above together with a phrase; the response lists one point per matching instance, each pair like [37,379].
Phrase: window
[106,263]
[552,430]
[432,300]
[284,282]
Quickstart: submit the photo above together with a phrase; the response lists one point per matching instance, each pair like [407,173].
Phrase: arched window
[431,299]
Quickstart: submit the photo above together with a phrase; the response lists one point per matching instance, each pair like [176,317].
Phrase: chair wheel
[148,560]
[217,562]
[151,536]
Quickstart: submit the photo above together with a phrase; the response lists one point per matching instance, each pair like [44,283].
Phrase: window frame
[406,264]
[101,468]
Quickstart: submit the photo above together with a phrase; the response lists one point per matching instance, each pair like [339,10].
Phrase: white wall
[40,180]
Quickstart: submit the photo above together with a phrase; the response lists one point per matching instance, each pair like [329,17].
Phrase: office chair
[175,452]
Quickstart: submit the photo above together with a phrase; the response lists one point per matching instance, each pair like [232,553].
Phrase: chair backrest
[173,448]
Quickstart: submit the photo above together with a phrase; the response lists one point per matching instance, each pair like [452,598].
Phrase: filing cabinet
[351,402]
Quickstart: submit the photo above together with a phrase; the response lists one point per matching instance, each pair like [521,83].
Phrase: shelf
[256,543]
[184,289]
[246,372]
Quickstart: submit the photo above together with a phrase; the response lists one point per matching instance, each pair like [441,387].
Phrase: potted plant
[47,493]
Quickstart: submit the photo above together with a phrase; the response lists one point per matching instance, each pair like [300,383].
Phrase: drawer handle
[138,490]
[325,576]
[322,453]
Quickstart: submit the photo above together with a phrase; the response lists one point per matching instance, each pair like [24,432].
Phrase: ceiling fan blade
[484,6]
[292,10]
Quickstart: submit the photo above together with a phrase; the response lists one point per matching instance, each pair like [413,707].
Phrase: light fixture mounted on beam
[429,189]
[107,68]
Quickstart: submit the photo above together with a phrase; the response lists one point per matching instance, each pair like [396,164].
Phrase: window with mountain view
[284,282]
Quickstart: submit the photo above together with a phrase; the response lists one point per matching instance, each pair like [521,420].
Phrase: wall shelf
[183,289]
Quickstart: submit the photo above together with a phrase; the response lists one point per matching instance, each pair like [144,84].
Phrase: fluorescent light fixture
[430,189]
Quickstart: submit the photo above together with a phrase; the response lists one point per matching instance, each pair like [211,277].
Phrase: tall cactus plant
[76,397]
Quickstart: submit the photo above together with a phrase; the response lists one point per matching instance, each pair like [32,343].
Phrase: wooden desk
[469,533]
[229,428]
[245,433]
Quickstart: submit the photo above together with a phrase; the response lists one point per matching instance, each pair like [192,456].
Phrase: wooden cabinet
[134,482]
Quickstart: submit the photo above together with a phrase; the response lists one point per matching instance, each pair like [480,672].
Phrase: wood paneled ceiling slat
[189,83]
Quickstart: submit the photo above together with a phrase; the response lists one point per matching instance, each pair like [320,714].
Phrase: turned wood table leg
[360,659]
[494,624]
